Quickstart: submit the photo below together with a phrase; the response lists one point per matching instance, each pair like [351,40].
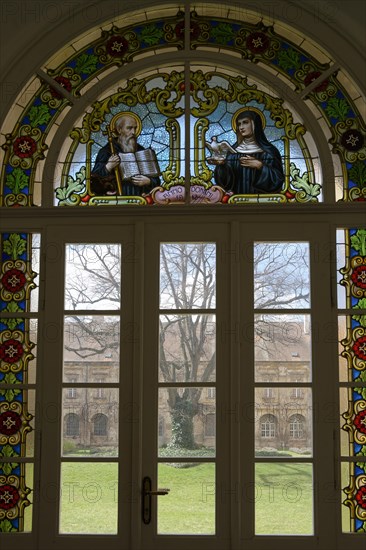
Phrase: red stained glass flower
[9,497]
[64,82]
[352,140]
[257,42]
[194,30]
[24,147]
[13,280]
[359,276]
[359,347]
[360,421]
[313,75]
[11,351]
[361,497]
[117,46]
[10,423]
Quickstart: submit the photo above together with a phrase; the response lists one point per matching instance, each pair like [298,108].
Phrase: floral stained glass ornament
[19,255]
[353,351]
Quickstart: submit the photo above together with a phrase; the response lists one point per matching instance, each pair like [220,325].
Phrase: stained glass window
[136,153]
[183,148]
[18,338]
[352,368]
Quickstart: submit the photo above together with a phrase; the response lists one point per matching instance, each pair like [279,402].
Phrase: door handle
[147,493]
[159,492]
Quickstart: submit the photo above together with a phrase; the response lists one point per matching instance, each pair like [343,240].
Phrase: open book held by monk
[141,162]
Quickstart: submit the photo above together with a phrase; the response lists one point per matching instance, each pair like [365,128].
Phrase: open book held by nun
[141,162]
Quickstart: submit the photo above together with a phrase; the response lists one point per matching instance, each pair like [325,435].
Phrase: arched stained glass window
[187,151]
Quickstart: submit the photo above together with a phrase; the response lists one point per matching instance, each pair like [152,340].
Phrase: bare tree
[93,276]
[187,352]
[186,348]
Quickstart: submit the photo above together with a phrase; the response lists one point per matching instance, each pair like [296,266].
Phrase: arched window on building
[100,424]
[210,425]
[161,428]
[268,426]
[297,426]
[72,423]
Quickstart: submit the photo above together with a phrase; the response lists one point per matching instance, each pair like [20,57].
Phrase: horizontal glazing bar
[186,460]
[90,312]
[187,311]
[186,384]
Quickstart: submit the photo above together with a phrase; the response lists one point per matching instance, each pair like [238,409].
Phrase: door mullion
[245,366]
[219,487]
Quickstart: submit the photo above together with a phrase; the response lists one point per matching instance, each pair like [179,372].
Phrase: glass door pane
[283,395]
[90,395]
[187,363]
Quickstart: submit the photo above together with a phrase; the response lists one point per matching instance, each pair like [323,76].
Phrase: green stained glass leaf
[6,526]
[39,115]
[361,391]
[11,323]
[362,452]
[362,376]
[17,180]
[360,318]
[86,64]
[299,181]
[151,34]
[14,246]
[7,451]
[223,33]
[73,186]
[358,174]
[358,241]
[337,108]
[289,59]
[10,394]
[12,307]
[10,378]
[8,467]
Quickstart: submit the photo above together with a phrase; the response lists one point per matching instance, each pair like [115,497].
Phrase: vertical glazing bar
[187,108]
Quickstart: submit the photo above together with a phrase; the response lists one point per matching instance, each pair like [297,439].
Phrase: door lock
[147,493]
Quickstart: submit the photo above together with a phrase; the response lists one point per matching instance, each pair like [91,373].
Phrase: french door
[185,387]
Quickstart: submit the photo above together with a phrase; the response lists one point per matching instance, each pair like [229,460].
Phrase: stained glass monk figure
[138,166]
[256,165]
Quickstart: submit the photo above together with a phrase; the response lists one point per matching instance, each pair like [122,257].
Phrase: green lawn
[283,499]
[190,506]
[89,497]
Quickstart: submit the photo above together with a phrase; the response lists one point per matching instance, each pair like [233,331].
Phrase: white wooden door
[185,387]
